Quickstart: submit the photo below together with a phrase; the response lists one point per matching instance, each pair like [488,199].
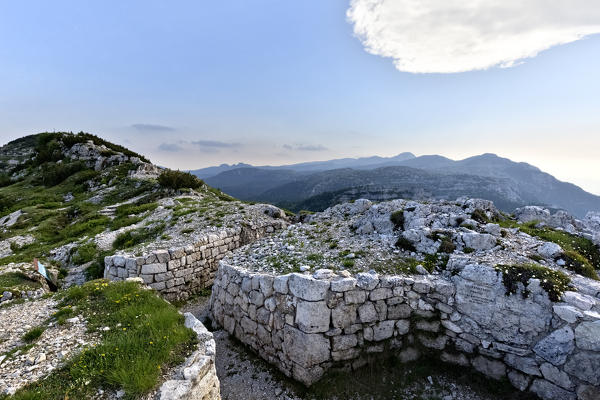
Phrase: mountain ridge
[526,184]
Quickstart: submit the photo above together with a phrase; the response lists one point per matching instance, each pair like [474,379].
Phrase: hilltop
[71,199]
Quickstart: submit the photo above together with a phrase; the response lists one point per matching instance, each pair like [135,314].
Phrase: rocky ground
[362,236]
[244,376]
[24,360]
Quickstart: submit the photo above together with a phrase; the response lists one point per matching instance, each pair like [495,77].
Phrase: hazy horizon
[194,85]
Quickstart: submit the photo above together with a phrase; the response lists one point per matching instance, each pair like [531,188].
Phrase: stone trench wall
[306,325]
[178,273]
[197,377]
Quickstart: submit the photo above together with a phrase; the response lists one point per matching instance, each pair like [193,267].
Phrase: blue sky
[193,84]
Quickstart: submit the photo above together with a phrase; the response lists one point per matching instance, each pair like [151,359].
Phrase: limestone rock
[557,346]
[549,391]
[587,335]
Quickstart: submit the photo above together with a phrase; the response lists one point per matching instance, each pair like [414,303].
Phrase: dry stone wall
[197,378]
[178,273]
[306,325]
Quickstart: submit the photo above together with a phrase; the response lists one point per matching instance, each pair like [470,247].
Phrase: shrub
[397,219]
[54,173]
[405,244]
[5,180]
[48,148]
[85,254]
[33,334]
[555,283]
[447,246]
[480,216]
[468,250]
[179,180]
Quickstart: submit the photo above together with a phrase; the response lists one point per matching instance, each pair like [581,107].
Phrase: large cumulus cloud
[445,36]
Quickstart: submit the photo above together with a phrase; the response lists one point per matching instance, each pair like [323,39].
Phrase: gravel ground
[244,376]
[22,363]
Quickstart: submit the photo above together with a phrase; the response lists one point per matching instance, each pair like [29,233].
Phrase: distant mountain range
[318,185]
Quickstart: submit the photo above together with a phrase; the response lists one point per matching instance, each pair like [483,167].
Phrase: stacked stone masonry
[306,325]
[197,378]
[178,273]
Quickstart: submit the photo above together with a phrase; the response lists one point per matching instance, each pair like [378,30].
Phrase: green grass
[85,254]
[33,334]
[130,356]
[16,280]
[134,209]
[581,255]
[315,257]
[134,237]
[555,283]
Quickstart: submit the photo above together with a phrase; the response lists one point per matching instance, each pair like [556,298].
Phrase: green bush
[85,254]
[447,246]
[54,173]
[577,263]
[179,180]
[480,216]
[405,244]
[5,180]
[48,148]
[33,334]
[397,219]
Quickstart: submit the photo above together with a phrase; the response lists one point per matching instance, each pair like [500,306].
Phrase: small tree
[179,180]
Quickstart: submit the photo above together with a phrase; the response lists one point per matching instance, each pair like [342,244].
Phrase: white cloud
[445,36]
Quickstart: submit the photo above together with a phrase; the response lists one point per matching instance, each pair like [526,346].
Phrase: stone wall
[179,272]
[197,378]
[306,325]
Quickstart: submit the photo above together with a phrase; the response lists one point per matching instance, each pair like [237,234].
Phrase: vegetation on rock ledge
[555,283]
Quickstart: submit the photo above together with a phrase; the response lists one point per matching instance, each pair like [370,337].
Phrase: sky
[192,84]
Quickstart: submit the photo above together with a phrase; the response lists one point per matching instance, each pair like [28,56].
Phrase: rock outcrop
[470,307]
[196,378]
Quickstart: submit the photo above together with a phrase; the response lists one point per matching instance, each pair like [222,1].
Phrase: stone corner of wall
[197,377]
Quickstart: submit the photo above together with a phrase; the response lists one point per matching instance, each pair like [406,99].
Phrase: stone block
[343,284]
[305,349]
[307,288]
[154,268]
[312,317]
[367,313]
[492,368]
[355,296]
[548,391]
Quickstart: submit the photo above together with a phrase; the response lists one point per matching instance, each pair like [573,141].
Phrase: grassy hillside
[62,198]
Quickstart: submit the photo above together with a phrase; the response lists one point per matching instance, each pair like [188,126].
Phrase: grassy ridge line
[50,176]
[147,335]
